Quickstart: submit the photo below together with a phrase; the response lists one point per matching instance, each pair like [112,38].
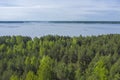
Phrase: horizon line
[86,22]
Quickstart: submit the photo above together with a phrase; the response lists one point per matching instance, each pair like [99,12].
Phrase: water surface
[37,29]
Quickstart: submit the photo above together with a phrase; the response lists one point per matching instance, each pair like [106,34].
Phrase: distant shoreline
[84,22]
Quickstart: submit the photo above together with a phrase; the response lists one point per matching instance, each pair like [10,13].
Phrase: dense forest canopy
[60,58]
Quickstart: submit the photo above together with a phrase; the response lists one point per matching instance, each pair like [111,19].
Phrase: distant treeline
[60,58]
[84,22]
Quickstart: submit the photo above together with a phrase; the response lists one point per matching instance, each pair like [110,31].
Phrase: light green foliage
[14,77]
[60,58]
[115,71]
[30,76]
[78,74]
[100,71]
[45,69]
[61,71]
[2,48]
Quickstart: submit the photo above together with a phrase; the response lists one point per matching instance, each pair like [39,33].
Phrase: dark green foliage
[60,58]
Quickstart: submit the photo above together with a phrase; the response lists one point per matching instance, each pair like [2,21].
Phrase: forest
[54,57]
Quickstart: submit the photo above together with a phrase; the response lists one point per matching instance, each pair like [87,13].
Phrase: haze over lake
[38,29]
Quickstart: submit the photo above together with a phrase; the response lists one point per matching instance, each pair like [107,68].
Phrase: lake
[38,29]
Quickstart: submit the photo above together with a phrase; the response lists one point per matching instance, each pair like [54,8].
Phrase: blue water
[33,29]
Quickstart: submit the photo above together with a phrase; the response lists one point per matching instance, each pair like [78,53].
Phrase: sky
[60,10]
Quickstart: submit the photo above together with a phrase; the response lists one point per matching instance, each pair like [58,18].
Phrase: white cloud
[58,10]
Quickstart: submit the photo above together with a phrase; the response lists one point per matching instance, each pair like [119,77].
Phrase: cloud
[59,10]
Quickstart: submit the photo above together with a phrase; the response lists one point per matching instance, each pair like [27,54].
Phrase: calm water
[66,29]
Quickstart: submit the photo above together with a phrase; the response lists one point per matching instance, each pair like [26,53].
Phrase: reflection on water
[6,26]
[66,29]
